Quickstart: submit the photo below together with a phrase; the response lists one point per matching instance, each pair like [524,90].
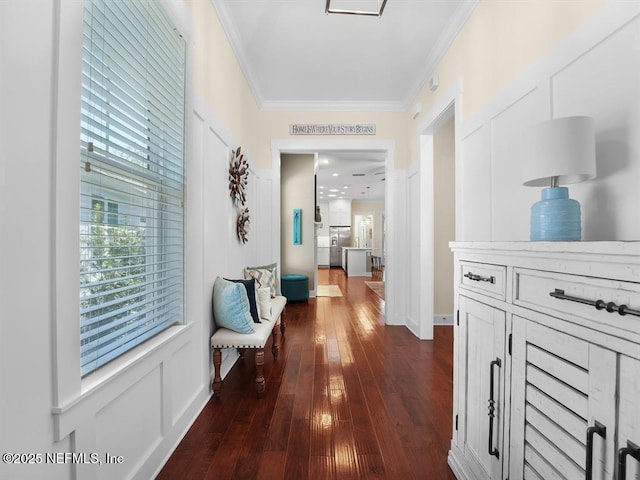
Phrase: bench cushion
[225,338]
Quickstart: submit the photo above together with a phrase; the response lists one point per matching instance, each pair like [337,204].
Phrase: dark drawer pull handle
[479,278]
[601,430]
[492,408]
[631,449]
[599,304]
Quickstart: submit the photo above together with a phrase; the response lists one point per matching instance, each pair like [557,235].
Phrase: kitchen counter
[354,261]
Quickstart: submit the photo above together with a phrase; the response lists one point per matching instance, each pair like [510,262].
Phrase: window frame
[73,396]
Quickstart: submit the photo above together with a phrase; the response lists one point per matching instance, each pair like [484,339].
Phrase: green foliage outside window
[115,275]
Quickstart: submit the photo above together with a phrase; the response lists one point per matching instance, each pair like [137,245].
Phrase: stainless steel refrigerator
[339,237]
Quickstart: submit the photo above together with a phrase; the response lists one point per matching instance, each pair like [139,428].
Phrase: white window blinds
[132,177]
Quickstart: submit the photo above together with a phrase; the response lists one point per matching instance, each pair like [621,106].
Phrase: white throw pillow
[264,300]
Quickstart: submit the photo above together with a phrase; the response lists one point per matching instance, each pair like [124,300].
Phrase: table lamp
[558,152]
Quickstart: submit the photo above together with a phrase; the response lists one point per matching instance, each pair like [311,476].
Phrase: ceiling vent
[358,174]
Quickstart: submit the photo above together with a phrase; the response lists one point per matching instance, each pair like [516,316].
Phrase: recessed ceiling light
[320,187]
[331,195]
[325,162]
[335,174]
[333,189]
[345,186]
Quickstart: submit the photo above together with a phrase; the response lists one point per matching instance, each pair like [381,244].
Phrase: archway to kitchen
[312,146]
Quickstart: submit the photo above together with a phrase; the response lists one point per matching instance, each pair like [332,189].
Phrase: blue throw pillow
[250,286]
[231,306]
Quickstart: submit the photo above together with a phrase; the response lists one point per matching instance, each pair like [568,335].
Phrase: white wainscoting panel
[604,83]
[397,260]
[138,412]
[414,265]
[266,222]
[186,371]
[476,186]
[511,201]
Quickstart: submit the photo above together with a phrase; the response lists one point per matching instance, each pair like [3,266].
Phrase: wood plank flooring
[347,398]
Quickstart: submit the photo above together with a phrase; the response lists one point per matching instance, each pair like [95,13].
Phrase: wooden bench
[224,338]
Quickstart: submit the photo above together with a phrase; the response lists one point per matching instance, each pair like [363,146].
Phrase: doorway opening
[440,211]
[351,149]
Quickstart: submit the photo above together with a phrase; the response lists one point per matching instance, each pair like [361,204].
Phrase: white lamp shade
[563,148]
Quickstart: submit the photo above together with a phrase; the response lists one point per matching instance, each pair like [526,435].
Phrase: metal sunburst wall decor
[238,177]
[242,225]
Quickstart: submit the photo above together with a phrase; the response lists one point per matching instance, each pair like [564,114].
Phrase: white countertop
[357,248]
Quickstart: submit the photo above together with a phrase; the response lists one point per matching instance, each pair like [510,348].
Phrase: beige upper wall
[443,217]
[498,42]
[218,78]
[297,191]
[389,126]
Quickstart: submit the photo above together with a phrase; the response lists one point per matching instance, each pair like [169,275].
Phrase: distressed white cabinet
[481,417]
[570,384]
[564,320]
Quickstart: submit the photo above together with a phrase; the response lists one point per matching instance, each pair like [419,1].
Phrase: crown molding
[331,106]
[236,45]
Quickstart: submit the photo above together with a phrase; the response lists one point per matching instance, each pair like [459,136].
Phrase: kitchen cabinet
[567,390]
[340,213]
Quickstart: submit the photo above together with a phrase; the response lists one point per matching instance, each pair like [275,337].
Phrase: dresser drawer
[607,305]
[485,278]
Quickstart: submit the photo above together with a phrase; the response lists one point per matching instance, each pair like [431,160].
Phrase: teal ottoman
[295,287]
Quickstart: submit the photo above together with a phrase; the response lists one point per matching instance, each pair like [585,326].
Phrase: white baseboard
[443,319]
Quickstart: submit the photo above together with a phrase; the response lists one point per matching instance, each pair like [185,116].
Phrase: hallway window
[132,178]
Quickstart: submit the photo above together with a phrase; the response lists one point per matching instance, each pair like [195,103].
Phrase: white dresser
[546,360]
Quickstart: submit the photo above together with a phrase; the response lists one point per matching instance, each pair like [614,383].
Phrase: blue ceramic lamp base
[556,217]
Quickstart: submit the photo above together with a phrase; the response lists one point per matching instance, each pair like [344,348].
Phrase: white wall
[594,71]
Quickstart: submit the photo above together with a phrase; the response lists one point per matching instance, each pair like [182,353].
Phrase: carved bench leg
[283,323]
[275,346]
[259,371]
[217,380]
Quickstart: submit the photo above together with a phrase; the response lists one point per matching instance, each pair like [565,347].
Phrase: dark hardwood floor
[348,397]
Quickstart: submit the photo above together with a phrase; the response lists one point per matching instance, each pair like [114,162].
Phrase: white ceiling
[296,57]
